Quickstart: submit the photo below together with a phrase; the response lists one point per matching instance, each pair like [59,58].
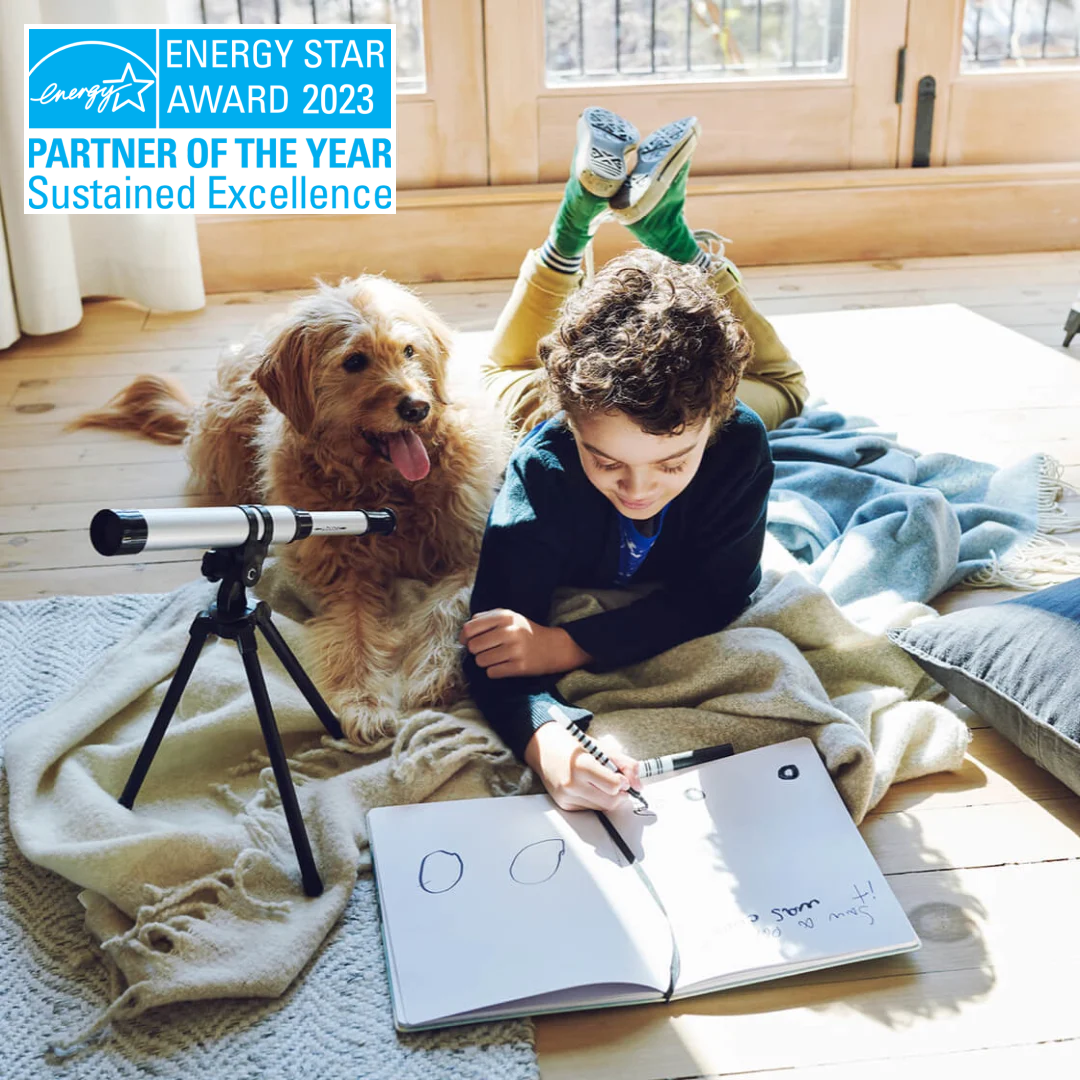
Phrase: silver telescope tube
[127,532]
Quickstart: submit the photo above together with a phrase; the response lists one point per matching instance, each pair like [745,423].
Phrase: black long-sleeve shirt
[549,527]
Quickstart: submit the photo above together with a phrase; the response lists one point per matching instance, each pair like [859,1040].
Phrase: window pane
[598,41]
[1004,35]
[407,15]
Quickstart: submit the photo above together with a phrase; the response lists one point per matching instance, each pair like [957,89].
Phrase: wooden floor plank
[1015,312]
[19,365]
[69,549]
[997,291]
[116,577]
[1034,280]
[114,486]
[953,837]
[29,438]
[65,449]
[1046,1061]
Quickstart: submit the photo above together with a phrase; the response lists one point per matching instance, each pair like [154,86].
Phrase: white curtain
[53,260]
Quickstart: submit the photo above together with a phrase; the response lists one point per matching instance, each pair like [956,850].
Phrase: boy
[651,471]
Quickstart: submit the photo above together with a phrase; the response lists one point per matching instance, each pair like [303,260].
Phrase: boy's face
[638,472]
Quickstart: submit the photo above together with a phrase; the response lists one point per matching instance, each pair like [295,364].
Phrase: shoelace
[712,243]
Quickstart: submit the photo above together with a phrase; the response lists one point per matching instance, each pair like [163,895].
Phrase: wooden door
[779,85]
[1006,80]
[442,140]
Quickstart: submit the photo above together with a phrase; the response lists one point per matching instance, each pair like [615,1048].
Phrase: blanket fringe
[261,812]
[161,925]
[1053,518]
[441,742]
[1045,558]
[315,762]
[126,1006]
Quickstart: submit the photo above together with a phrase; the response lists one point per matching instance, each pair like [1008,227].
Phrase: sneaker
[604,141]
[659,159]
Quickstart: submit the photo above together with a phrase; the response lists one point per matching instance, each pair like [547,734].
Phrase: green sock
[664,227]
[572,227]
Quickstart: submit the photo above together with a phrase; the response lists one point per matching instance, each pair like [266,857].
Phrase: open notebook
[745,869]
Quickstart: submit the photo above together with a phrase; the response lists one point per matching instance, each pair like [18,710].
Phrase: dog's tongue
[408,454]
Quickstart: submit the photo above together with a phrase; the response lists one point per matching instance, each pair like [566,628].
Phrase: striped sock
[703,261]
[554,259]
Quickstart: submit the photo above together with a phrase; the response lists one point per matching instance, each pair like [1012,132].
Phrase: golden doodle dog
[348,405]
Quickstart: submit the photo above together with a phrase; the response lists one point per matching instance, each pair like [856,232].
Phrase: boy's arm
[720,571]
[522,561]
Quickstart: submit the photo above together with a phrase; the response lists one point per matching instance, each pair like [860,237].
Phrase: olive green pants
[773,385]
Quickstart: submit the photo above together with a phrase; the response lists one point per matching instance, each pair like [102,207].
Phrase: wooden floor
[985,861]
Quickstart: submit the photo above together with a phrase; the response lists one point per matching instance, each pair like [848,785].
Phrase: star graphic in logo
[127,90]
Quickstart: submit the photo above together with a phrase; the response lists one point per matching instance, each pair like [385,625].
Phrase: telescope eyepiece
[382,522]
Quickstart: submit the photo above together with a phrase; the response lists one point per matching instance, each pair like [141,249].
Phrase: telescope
[237,539]
[128,532]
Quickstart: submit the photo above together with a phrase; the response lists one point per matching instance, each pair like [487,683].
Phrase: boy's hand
[572,776]
[507,644]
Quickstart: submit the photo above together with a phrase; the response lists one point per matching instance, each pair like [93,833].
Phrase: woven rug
[333,1022]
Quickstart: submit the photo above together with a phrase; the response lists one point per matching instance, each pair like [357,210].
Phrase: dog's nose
[412,410]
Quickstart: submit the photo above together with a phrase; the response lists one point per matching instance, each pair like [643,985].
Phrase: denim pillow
[1017,664]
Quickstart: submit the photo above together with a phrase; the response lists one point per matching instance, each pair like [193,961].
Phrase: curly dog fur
[347,405]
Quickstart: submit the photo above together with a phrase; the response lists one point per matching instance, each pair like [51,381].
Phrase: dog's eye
[409,351]
[356,361]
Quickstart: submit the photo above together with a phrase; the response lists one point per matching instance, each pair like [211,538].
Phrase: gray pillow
[1017,664]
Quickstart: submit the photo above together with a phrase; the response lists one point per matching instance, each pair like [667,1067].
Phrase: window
[1020,34]
[600,41]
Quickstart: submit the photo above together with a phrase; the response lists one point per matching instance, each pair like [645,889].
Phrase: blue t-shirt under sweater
[634,546]
[549,527]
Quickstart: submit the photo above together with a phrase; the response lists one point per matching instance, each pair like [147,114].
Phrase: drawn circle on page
[694,794]
[538,862]
[440,871]
[788,772]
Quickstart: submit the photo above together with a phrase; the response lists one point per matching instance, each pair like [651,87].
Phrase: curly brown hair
[648,337]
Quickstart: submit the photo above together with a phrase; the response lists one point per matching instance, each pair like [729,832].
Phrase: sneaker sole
[659,175]
[603,142]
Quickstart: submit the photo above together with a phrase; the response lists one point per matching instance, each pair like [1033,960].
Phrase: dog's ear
[444,345]
[284,376]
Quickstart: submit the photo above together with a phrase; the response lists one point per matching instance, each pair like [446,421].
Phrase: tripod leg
[299,675]
[1072,324]
[200,630]
[313,885]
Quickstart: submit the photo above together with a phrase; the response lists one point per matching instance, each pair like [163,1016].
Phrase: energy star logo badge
[229,119]
[79,80]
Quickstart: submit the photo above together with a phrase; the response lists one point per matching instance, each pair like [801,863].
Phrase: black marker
[657,766]
[560,717]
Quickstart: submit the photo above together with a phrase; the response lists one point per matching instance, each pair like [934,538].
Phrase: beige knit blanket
[196,892]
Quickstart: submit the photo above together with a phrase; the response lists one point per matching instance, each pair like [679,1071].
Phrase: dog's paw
[368,722]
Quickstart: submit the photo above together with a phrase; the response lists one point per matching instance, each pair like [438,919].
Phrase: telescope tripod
[231,616]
